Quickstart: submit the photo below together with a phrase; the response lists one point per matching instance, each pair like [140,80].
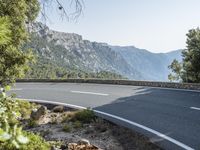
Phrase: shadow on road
[166,111]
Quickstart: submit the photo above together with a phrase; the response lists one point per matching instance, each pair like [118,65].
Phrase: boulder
[74,146]
[58,108]
[55,148]
[83,142]
[35,115]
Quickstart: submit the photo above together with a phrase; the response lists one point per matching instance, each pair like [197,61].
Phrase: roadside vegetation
[189,69]
[12,135]
[15,16]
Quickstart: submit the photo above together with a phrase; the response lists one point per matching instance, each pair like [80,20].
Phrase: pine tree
[14,16]
[189,69]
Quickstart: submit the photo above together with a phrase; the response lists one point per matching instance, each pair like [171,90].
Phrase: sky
[155,25]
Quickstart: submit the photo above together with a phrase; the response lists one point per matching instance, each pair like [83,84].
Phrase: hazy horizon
[156,26]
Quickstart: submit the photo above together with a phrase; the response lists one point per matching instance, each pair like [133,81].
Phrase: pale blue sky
[156,25]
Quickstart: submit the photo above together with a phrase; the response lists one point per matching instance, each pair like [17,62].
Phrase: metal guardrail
[188,86]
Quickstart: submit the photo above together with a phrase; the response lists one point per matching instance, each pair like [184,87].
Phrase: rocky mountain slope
[71,51]
[152,66]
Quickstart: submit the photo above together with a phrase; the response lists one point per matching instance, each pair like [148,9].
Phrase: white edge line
[122,119]
[92,93]
[174,89]
[50,102]
[147,129]
[196,108]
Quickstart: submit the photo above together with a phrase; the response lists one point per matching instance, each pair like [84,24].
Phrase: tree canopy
[189,69]
[14,17]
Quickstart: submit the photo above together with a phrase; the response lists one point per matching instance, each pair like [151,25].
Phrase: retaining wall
[190,86]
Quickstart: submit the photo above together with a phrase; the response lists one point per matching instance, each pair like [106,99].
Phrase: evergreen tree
[191,57]
[15,15]
[189,69]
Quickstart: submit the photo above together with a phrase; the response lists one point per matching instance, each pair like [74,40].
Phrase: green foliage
[25,108]
[9,130]
[85,116]
[32,123]
[176,68]
[77,124]
[13,15]
[35,142]
[15,109]
[14,135]
[11,134]
[66,128]
[189,69]
[49,65]
[191,57]
[9,110]
[4,31]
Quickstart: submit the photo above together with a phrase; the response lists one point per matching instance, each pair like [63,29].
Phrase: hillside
[152,66]
[69,52]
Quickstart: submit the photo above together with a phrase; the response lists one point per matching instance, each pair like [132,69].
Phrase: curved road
[174,113]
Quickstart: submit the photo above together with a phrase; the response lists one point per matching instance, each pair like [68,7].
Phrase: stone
[75,146]
[40,112]
[72,146]
[83,142]
[58,108]
[55,148]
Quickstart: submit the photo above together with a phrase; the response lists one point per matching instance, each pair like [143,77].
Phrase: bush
[66,128]
[12,136]
[35,142]
[77,124]
[32,123]
[25,108]
[85,116]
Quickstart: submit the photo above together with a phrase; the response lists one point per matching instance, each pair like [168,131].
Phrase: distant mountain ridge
[153,66]
[70,50]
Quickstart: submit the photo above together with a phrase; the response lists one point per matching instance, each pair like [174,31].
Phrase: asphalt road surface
[169,117]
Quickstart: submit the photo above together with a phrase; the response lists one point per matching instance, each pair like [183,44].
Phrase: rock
[72,146]
[40,112]
[58,109]
[75,146]
[55,148]
[83,142]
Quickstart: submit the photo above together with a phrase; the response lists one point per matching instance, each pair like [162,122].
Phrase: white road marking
[196,108]
[92,93]
[173,89]
[148,129]
[16,89]
[182,145]
[52,102]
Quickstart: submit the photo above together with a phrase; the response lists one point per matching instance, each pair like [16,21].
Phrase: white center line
[92,93]
[196,108]
[16,89]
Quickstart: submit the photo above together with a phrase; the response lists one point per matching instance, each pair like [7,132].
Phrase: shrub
[35,142]
[77,124]
[12,136]
[85,116]
[25,108]
[32,123]
[67,116]
[66,128]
